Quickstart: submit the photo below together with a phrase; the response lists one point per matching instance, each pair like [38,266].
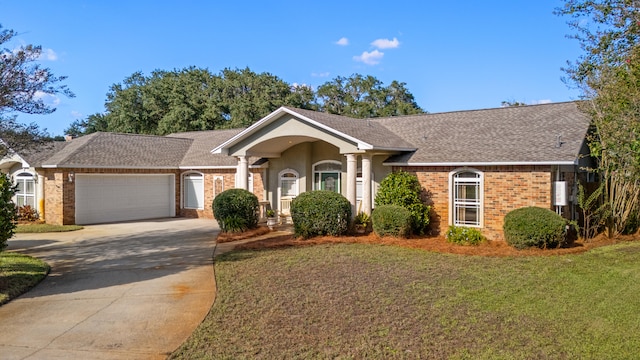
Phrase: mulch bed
[434,244]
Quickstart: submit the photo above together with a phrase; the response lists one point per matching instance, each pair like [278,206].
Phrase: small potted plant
[361,222]
[272,220]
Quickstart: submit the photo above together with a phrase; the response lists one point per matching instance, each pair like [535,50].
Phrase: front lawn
[373,301]
[44,228]
[18,274]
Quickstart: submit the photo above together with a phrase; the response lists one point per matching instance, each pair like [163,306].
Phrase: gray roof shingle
[114,150]
[524,134]
[199,153]
[367,130]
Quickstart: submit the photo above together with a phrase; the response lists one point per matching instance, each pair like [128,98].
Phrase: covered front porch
[303,155]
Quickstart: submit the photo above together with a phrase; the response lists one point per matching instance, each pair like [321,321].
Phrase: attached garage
[104,198]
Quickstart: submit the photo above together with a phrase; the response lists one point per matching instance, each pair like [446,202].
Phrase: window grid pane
[288,187]
[466,199]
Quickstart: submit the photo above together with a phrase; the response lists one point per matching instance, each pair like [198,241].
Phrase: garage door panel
[110,198]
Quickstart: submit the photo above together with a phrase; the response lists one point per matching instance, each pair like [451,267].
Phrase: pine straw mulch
[432,243]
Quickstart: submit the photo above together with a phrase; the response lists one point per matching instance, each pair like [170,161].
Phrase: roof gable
[360,133]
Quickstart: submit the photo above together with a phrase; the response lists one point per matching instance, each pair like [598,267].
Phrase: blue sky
[452,55]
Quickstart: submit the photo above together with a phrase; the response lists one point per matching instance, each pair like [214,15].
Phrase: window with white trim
[26,190]
[288,183]
[466,198]
[326,175]
[193,190]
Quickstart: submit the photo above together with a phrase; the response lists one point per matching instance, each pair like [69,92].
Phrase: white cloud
[543,101]
[321,74]
[48,54]
[343,41]
[76,114]
[48,99]
[370,58]
[386,43]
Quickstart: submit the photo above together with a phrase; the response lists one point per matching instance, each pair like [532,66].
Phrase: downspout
[40,196]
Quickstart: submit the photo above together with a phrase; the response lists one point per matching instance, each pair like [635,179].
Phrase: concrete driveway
[116,291]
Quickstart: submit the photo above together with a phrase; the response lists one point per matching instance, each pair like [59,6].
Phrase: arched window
[467,192]
[326,175]
[288,183]
[26,190]
[287,190]
[193,190]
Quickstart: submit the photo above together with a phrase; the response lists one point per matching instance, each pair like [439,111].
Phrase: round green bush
[403,189]
[320,212]
[391,220]
[236,210]
[534,227]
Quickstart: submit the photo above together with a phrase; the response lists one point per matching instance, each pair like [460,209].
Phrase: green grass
[18,274]
[363,301]
[45,228]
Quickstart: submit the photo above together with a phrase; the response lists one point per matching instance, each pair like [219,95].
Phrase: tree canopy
[607,31]
[365,97]
[608,74]
[23,85]
[193,99]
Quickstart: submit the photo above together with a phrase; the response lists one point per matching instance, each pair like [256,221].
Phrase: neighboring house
[475,166]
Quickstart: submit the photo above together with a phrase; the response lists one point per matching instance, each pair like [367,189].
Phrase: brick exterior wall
[505,188]
[212,189]
[59,193]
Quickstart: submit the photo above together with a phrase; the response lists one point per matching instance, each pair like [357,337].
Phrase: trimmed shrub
[320,212]
[236,210]
[8,213]
[391,220]
[27,213]
[534,227]
[403,189]
[464,235]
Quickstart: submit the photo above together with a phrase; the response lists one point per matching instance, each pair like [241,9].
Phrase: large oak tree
[608,73]
[194,99]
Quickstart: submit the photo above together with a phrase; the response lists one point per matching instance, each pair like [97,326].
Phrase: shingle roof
[36,157]
[199,153]
[367,130]
[514,135]
[103,149]
[524,134]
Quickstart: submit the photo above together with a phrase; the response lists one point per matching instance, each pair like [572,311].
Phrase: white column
[352,173]
[243,173]
[366,184]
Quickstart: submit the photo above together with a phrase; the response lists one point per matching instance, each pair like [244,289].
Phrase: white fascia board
[109,167]
[498,163]
[226,167]
[219,167]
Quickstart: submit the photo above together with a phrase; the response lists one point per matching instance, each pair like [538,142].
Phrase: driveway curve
[132,290]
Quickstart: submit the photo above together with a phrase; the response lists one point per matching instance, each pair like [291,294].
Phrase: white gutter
[498,163]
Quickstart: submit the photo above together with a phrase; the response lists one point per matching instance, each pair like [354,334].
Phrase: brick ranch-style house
[475,166]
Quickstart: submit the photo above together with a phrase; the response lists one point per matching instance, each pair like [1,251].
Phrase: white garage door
[109,198]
